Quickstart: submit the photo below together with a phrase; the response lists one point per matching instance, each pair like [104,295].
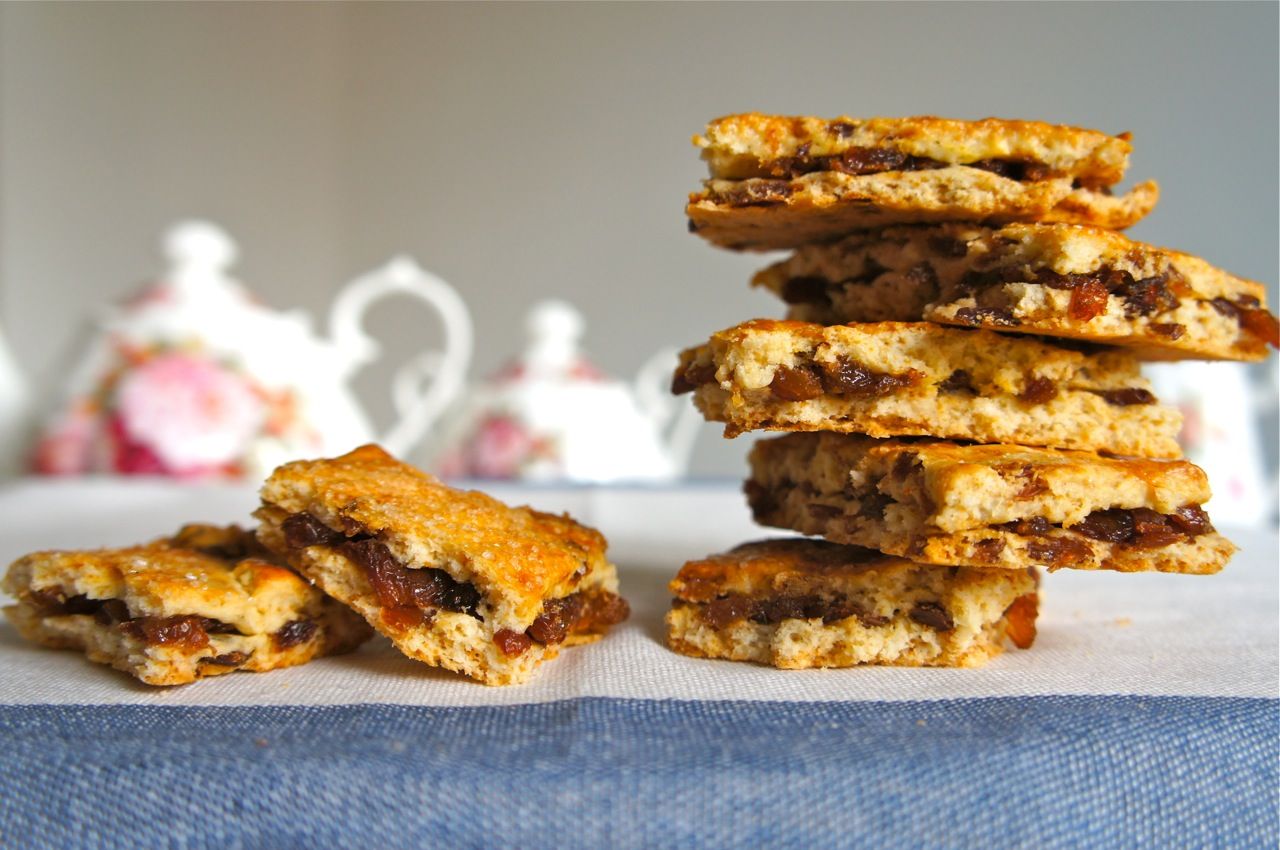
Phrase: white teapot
[550,415]
[195,378]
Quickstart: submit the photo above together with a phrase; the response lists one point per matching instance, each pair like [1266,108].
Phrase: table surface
[1146,711]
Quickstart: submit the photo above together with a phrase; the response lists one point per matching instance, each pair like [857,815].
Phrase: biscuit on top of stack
[949,433]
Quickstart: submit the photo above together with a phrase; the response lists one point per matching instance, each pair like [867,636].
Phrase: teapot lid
[554,329]
[199,253]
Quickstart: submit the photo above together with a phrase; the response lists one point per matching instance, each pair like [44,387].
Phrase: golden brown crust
[513,564]
[266,616]
[990,506]
[901,379]
[518,554]
[1047,279]
[763,567]
[795,603]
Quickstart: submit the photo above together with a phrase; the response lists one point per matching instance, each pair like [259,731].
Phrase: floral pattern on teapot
[195,378]
[173,411]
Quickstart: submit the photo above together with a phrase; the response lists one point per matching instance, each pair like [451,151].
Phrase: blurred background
[524,152]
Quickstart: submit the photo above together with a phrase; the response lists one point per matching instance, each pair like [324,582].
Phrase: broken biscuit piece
[797,603]
[207,601]
[454,578]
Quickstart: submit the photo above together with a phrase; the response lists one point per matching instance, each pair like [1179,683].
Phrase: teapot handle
[675,418]
[424,386]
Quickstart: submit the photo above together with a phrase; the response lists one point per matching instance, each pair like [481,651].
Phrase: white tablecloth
[1099,633]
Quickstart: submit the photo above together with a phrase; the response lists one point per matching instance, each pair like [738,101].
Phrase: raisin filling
[843,377]
[1141,528]
[859,161]
[731,608]
[1126,397]
[409,597]
[588,612]
[183,630]
[294,633]
[227,659]
[805,381]
[688,378]
[1020,620]
[1090,292]
[1252,318]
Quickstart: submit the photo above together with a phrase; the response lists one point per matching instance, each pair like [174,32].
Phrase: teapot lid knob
[554,328]
[198,250]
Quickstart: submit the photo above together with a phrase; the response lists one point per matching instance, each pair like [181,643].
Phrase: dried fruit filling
[1139,527]
[410,597]
[1141,296]
[1090,290]
[721,612]
[858,161]
[186,630]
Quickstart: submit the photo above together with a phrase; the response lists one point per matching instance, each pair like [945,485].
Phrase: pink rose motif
[185,415]
[499,447]
[66,447]
[130,457]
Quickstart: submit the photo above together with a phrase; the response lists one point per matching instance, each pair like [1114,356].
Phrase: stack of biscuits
[958,377]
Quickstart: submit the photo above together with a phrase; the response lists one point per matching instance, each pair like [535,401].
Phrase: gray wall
[535,150]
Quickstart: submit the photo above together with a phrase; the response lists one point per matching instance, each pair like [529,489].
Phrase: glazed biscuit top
[744,146]
[776,565]
[518,554]
[183,575]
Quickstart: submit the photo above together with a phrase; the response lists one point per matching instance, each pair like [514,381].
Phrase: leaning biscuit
[1057,280]
[454,578]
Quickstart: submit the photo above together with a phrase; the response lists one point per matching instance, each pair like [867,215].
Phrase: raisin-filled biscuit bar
[207,601]
[454,578]
[988,505]
[782,182]
[902,379]
[1057,280]
[797,603]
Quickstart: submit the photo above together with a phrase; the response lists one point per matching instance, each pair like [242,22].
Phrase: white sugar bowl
[551,415]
